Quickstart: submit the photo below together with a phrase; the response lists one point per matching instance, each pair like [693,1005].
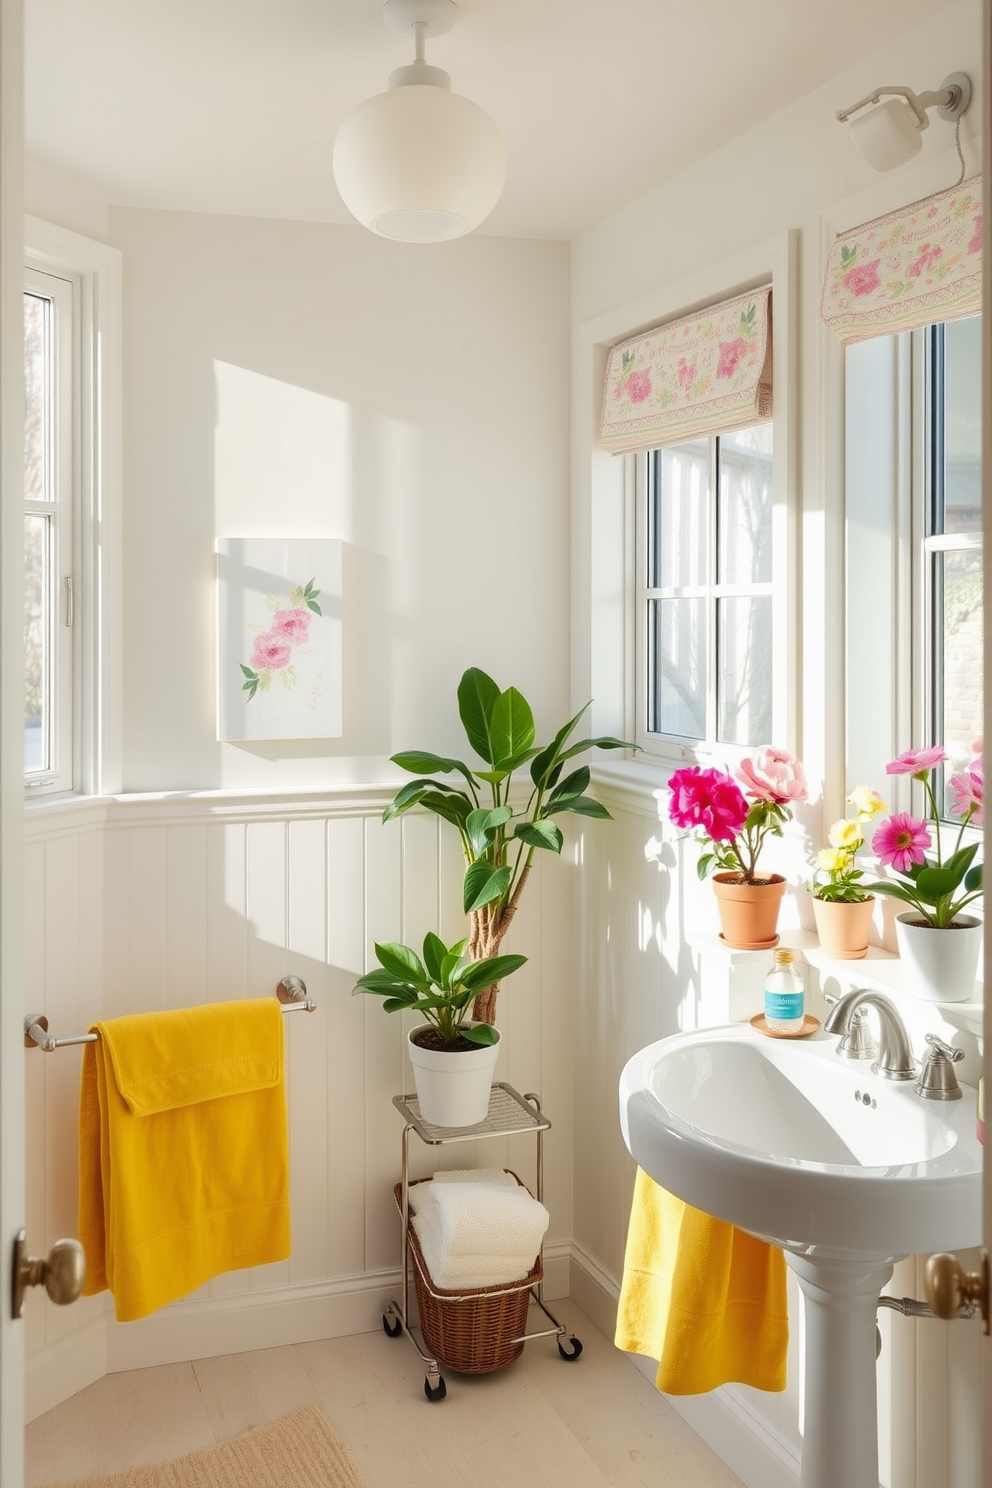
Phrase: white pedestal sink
[846,1171]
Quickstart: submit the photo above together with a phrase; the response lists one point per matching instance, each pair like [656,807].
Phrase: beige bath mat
[300,1451]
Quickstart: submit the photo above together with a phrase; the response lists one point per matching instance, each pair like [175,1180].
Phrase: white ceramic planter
[939,965]
[453,1087]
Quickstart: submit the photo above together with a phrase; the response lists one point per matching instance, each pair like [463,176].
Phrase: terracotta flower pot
[749,912]
[843,928]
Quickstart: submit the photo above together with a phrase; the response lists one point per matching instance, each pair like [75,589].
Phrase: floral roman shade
[705,374]
[909,269]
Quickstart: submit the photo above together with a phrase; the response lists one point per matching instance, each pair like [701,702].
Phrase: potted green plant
[497,840]
[936,886]
[440,986]
[842,906]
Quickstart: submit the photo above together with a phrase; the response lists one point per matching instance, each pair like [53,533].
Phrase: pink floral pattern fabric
[707,373]
[915,266]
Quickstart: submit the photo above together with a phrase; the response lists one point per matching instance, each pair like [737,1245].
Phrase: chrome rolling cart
[499,1313]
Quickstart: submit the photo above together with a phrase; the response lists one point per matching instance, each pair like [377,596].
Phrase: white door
[11,732]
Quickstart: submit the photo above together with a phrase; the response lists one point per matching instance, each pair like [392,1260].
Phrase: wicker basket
[473,1331]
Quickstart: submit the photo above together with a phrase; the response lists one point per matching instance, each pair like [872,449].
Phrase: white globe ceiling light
[420,164]
[889,131]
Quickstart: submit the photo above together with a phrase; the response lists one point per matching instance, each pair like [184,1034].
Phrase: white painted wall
[311,381]
[641,977]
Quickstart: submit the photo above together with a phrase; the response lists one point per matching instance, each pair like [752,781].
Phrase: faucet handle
[857,1042]
[937,1078]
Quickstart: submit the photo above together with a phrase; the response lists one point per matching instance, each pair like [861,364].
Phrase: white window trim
[96,268]
[604,506]
[62,465]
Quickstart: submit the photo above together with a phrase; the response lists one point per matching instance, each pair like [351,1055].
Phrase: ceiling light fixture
[890,130]
[420,164]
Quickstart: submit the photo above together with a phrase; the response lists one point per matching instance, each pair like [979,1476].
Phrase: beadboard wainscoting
[142,903]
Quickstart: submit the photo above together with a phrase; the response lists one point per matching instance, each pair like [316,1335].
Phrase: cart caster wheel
[439,1391]
[570,1355]
[391,1327]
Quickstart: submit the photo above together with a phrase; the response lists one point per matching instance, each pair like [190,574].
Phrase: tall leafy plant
[499,842]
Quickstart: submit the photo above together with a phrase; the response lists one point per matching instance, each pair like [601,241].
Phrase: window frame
[95,270]
[675,748]
[61,509]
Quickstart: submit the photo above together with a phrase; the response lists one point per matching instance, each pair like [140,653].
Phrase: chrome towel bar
[291,992]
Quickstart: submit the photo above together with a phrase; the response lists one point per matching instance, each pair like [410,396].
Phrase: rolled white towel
[483,1219]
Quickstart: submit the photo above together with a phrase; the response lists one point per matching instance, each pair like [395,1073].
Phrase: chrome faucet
[895,1056]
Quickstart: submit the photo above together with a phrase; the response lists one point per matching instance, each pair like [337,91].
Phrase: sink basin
[785,1139]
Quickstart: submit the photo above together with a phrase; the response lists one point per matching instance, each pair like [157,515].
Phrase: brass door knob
[947,1284]
[62,1272]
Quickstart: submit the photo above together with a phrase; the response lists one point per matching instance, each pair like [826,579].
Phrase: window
[913,554]
[704,557]
[49,491]
[949,655]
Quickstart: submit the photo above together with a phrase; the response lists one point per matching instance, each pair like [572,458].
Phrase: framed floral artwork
[279,638]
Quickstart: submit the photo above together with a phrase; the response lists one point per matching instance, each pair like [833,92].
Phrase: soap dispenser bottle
[785,995]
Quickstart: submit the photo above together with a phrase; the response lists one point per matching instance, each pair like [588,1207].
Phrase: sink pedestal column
[840,1425]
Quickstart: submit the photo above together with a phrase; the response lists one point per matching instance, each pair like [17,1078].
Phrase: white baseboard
[228,1325]
[749,1445]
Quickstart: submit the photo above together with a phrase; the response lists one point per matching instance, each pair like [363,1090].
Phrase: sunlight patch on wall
[282,458]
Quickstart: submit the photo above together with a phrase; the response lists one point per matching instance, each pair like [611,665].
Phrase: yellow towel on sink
[706,1300]
[183,1151]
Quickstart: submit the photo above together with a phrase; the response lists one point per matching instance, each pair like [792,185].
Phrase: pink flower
[773,775]
[639,386]
[730,355]
[863,278]
[709,799]
[292,625]
[978,746]
[928,255]
[271,652]
[917,762]
[901,841]
[969,794]
[685,373]
[975,246]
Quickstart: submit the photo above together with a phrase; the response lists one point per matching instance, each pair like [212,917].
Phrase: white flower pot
[939,965]
[453,1085]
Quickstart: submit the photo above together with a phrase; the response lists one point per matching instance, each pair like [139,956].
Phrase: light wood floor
[541,1423]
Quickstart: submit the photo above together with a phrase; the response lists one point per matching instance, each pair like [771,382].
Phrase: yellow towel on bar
[183,1151]
[706,1300]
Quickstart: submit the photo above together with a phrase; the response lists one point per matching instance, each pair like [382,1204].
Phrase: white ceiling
[232,105]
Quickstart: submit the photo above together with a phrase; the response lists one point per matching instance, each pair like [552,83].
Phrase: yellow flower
[867,801]
[846,834]
[832,860]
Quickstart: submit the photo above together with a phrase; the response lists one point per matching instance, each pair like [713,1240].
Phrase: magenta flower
[709,799]
[293,625]
[730,356]
[901,841]
[918,762]
[968,790]
[863,278]
[271,652]
[773,775]
[639,386]
[975,246]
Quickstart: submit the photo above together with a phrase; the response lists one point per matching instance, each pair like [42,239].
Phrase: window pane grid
[706,604]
